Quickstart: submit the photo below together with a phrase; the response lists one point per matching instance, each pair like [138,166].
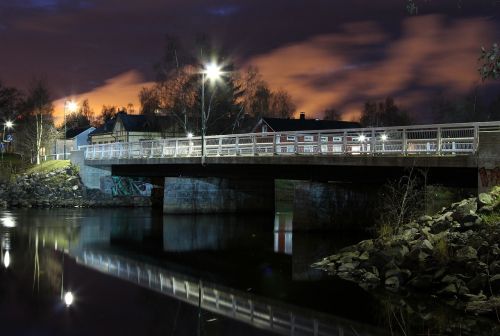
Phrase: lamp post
[7,125]
[72,106]
[213,72]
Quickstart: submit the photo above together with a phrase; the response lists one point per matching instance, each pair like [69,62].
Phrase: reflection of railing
[259,312]
[440,139]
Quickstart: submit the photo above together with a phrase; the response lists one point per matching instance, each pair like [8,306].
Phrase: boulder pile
[454,254]
[58,188]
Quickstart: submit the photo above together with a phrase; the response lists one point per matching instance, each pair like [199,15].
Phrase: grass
[48,166]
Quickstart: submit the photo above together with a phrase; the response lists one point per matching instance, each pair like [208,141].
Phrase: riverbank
[454,255]
[58,187]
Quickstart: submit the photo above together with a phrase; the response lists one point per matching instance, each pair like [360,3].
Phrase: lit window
[290,138]
[308,138]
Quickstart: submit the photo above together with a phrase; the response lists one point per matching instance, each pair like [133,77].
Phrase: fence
[443,139]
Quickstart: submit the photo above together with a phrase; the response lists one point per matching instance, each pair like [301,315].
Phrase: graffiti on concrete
[489,177]
[126,186]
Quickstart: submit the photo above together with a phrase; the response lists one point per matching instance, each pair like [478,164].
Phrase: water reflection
[247,267]
[283,226]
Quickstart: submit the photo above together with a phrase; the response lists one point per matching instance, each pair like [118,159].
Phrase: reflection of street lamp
[213,72]
[72,107]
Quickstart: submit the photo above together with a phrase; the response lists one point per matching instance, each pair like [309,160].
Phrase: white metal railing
[438,139]
[259,312]
[58,156]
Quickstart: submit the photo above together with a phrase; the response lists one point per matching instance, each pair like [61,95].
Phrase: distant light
[9,124]
[362,138]
[72,106]
[383,137]
[190,135]
[6,259]
[8,221]
[213,71]
[68,299]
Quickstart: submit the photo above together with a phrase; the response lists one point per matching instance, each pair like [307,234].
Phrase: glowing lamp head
[362,138]
[72,106]
[6,259]
[9,124]
[383,137]
[213,71]
[68,299]
[190,135]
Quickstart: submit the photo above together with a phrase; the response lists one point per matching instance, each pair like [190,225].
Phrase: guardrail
[442,139]
[259,312]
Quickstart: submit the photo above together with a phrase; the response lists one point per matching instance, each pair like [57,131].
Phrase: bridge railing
[441,139]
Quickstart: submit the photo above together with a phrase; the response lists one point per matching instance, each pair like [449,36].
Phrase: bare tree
[281,104]
[37,130]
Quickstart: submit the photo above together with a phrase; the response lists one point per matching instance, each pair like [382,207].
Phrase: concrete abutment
[217,195]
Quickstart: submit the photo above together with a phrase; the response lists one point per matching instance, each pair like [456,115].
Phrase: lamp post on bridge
[212,71]
[72,107]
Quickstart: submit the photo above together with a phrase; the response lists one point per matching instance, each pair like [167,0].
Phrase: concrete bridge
[229,173]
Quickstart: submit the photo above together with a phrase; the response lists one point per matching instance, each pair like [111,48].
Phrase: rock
[485,199]
[494,283]
[392,282]
[478,283]
[421,281]
[364,256]
[370,278]
[466,253]
[348,267]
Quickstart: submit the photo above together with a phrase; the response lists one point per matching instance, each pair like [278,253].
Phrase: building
[129,128]
[307,142]
[75,137]
[301,124]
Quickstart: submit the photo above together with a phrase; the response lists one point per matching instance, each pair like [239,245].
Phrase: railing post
[176,149]
[219,150]
[439,141]
[274,143]
[254,147]
[475,145]
[405,142]
[296,144]
[319,151]
[344,143]
[237,145]
[373,142]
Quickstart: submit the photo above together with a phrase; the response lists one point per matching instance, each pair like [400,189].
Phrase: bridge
[228,173]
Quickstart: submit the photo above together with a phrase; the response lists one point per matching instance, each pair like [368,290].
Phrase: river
[139,272]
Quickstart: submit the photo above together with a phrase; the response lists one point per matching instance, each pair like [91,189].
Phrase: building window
[308,138]
[264,128]
[290,138]
[324,139]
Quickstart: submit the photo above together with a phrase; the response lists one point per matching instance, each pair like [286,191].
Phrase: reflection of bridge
[258,312]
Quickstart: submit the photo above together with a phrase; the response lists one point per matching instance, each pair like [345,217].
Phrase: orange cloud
[119,91]
[362,62]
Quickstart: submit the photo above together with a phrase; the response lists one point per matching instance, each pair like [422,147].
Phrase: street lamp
[7,125]
[72,107]
[212,71]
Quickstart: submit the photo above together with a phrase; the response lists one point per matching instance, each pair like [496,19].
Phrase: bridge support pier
[217,195]
[90,175]
[333,206]
[488,161]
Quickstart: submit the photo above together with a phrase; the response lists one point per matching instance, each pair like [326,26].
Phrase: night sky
[326,53]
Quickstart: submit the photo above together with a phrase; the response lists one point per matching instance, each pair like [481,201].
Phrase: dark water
[136,272]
